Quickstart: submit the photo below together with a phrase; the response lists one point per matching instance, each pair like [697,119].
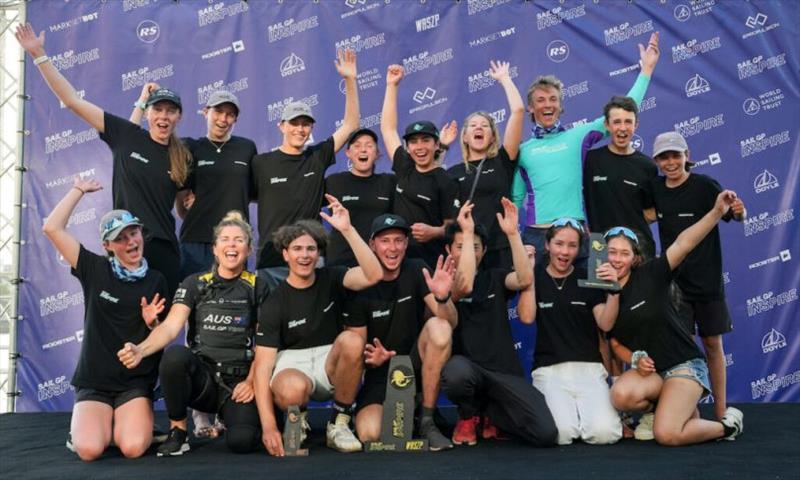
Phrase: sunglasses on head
[124,219]
[612,232]
[564,221]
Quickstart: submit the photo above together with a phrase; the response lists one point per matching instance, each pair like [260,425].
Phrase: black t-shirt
[296,318]
[617,189]
[484,333]
[648,319]
[700,274]
[494,183]
[140,178]
[365,198]
[223,314]
[113,316]
[566,330]
[288,188]
[220,182]
[430,197]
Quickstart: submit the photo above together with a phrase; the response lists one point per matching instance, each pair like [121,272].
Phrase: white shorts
[311,362]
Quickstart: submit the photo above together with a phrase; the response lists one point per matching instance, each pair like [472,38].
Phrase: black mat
[32,446]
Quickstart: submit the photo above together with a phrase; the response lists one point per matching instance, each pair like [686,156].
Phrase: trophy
[598,255]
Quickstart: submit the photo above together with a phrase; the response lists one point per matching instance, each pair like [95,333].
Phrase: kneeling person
[301,354]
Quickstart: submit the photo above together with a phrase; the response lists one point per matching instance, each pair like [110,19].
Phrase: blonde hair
[233,218]
[494,147]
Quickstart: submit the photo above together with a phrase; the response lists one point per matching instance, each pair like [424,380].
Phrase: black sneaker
[436,441]
[176,444]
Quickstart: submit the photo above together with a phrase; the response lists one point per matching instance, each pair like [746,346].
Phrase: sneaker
[465,432]
[159,436]
[305,428]
[644,431]
[489,431]
[340,437]
[627,425]
[436,441]
[734,418]
[176,444]
[69,445]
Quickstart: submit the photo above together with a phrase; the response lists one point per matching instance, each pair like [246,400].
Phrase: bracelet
[636,356]
[40,60]
[83,192]
[140,104]
[444,147]
[443,300]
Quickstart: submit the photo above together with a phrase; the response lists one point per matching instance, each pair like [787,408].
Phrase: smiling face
[478,135]
[390,248]
[455,248]
[621,125]
[545,105]
[563,249]
[421,147]
[231,249]
[220,120]
[295,133]
[162,118]
[362,153]
[301,256]
[128,247]
[621,256]
[673,166]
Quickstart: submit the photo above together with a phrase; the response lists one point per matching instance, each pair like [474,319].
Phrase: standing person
[681,198]
[487,170]
[551,160]
[111,402]
[364,193]
[617,178]
[289,182]
[213,374]
[149,166]
[567,365]
[394,314]
[484,375]
[301,355]
[425,195]
[669,374]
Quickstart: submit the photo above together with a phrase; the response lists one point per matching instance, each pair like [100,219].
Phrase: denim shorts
[695,369]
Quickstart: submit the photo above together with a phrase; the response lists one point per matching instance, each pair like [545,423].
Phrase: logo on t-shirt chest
[138,156]
[296,323]
[275,180]
[107,296]
[350,198]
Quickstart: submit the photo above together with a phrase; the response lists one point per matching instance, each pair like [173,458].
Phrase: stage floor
[32,446]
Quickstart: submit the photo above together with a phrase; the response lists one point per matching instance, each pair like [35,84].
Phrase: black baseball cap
[423,127]
[164,94]
[361,131]
[388,221]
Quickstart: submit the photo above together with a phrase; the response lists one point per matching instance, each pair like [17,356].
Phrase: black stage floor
[32,446]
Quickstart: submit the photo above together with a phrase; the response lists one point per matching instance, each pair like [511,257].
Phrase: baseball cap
[296,109]
[388,221]
[361,131]
[424,127]
[669,142]
[219,97]
[115,222]
[164,94]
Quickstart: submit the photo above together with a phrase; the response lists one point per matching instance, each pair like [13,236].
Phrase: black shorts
[113,399]
[374,388]
[711,318]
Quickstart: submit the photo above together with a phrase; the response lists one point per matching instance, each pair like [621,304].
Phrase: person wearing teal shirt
[551,162]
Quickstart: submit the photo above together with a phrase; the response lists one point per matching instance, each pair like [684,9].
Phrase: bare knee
[667,435]
[134,447]
[368,425]
[350,345]
[89,450]
[290,389]
[439,334]
[622,397]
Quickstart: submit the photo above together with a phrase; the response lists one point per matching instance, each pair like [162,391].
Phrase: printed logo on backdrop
[358,43]
[765,181]
[773,340]
[425,60]
[637,142]
[557,51]
[761,142]
[427,23]
[479,81]
[275,109]
[67,139]
[695,125]
[555,16]
[726,278]
[235,47]
[692,48]
[291,65]
[59,302]
[766,101]
[773,383]
[696,85]
[499,116]
[758,25]
[235,86]
[81,217]
[682,13]
[491,37]
[219,12]
[148,31]
[648,103]
[751,106]
[75,337]
[367,121]
[769,300]
[290,27]
[80,93]
[365,80]
[52,388]
[783,256]
[575,89]
[128,5]
[756,65]
[624,31]
[73,22]
[360,6]
[69,58]
[137,78]
[712,159]
[764,221]
[426,98]
[478,6]
[67,179]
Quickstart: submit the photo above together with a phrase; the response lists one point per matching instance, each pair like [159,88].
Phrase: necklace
[218,147]
[563,279]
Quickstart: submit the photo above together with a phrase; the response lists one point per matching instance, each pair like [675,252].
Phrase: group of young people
[420,262]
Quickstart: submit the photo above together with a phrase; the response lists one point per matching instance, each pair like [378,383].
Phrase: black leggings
[165,257]
[187,381]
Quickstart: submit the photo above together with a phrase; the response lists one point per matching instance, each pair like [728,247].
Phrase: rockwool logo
[354,3]
[291,65]
[557,51]
[757,21]
[428,94]
[773,340]
[697,85]
[765,181]
[148,31]
[751,106]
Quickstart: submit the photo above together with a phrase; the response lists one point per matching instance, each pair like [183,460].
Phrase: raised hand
[441,282]
[346,63]
[150,311]
[394,74]
[147,89]
[86,185]
[509,220]
[448,133]
[464,219]
[499,70]
[28,40]
[339,217]
[649,56]
[725,201]
[375,354]
[130,355]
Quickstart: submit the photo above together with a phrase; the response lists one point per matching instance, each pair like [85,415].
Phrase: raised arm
[464,280]
[439,301]
[526,305]
[262,367]
[369,270]
[513,132]
[63,90]
[55,227]
[346,66]
[131,355]
[648,56]
[140,105]
[391,139]
[692,236]
[522,276]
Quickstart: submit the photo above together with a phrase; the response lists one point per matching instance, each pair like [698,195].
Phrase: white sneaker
[340,437]
[644,431]
[733,418]
[305,428]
